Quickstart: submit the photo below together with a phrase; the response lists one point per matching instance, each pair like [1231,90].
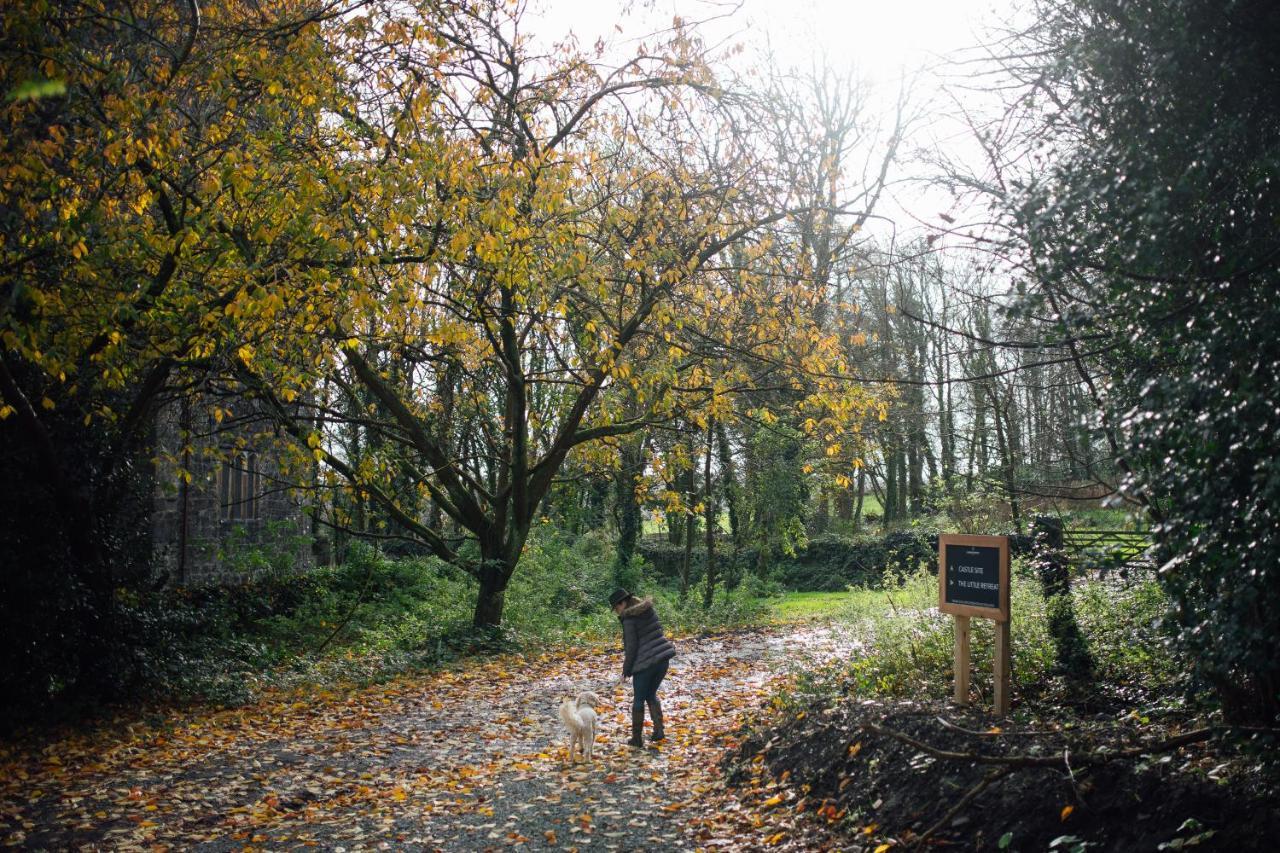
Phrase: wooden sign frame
[999,614]
[963,612]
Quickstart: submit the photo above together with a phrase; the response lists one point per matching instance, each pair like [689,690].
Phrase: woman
[646,653]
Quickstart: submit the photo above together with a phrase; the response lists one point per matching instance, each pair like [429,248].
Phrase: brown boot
[655,714]
[637,727]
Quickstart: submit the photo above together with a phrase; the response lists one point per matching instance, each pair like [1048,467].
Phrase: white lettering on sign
[973,570]
[977,585]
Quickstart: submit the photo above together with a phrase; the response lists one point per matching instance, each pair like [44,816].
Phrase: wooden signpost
[973,580]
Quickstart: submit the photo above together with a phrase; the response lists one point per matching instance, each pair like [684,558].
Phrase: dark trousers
[645,682]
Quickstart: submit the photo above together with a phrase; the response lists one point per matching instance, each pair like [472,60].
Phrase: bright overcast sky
[880,37]
[883,40]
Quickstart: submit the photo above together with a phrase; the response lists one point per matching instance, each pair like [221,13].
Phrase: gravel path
[469,759]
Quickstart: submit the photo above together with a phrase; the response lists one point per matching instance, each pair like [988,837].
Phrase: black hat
[618,596]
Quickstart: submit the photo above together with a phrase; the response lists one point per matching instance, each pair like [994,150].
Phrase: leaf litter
[467,758]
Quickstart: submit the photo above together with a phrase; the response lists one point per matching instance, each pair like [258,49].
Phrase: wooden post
[1002,669]
[973,580]
[962,660]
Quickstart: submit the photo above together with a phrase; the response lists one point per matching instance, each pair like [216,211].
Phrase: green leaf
[1005,841]
[36,89]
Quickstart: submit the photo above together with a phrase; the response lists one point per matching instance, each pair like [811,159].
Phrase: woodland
[511,321]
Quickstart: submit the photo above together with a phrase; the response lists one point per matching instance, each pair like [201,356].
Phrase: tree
[559,231]
[1145,209]
[161,166]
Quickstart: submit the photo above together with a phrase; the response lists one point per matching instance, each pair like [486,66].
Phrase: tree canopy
[1145,208]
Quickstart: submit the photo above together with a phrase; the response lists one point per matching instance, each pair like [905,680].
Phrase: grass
[871,506]
[807,606]
[391,615]
[1102,518]
[909,643]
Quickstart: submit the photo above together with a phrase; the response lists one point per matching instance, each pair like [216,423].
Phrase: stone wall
[193,539]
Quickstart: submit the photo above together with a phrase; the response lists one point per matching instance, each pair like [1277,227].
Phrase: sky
[883,40]
[878,37]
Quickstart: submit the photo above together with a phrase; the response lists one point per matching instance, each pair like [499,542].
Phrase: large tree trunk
[1006,460]
[494,574]
[446,380]
[1071,649]
[821,521]
[674,520]
[76,511]
[890,486]
[729,487]
[690,520]
[975,468]
[844,505]
[879,493]
[709,498]
[489,602]
[904,492]
[629,516]
[915,488]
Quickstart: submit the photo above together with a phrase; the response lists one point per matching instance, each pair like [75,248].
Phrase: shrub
[1178,268]
[560,579]
[829,563]
[909,644]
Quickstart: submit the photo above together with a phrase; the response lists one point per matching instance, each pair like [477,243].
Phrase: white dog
[579,717]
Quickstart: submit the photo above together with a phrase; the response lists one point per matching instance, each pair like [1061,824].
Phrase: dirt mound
[899,773]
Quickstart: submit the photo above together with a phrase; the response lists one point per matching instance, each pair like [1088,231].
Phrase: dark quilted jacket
[643,642]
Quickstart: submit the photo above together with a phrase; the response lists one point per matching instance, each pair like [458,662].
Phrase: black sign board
[974,576]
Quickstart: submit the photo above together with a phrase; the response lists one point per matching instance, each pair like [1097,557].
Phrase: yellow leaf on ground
[1066,811]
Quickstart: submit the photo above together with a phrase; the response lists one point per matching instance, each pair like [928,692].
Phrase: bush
[830,562]
[909,644]
[222,643]
[375,616]
[560,580]
[1178,268]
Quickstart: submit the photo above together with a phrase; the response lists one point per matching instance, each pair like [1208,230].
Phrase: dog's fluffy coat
[579,717]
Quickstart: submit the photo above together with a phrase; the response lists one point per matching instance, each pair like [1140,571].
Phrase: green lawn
[802,606]
[1103,518]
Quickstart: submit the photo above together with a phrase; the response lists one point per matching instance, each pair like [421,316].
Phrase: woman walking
[646,653]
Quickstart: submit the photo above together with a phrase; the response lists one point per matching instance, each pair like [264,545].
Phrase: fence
[1114,549]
